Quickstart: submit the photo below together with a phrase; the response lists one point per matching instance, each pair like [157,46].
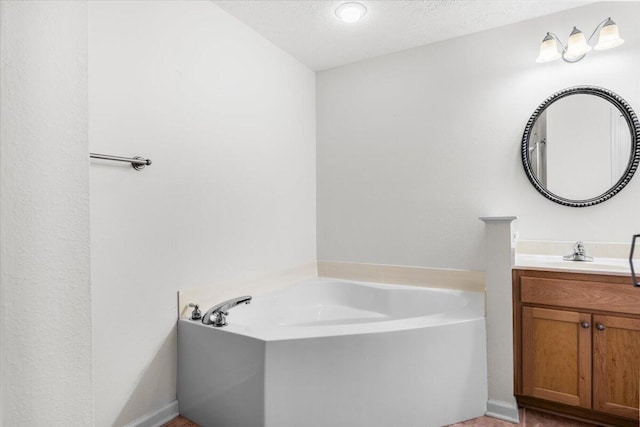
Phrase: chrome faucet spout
[216,315]
[579,253]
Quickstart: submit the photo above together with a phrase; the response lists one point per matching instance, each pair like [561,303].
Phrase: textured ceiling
[310,31]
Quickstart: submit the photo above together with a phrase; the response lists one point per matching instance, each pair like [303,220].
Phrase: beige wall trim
[464,280]
[207,296]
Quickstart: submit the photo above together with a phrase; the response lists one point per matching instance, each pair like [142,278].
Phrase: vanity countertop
[610,266]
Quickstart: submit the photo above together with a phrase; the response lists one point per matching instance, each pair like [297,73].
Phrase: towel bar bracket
[140,166]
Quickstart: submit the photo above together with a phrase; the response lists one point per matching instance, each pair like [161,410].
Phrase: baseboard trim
[157,418]
[503,411]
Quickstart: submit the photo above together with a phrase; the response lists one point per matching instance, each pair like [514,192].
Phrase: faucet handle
[196,314]
[218,318]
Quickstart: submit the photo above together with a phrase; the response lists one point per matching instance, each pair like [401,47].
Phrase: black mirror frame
[634,130]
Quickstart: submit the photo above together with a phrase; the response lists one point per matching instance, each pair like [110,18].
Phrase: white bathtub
[338,353]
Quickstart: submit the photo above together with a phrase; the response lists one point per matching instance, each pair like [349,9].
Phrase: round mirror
[581,146]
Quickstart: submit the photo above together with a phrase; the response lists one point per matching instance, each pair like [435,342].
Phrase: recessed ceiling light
[351,12]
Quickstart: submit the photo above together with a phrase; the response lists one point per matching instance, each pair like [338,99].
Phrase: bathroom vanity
[577,344]
[577,323]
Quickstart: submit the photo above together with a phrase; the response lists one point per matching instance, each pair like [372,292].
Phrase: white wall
[229,122]
[45,322]
[413,147]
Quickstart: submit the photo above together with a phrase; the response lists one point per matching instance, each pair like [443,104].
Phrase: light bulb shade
[577,45]
[609,36]
[351,12]
[548,50]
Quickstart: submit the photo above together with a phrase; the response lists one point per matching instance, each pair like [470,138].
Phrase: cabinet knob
[585,325]
[600,327]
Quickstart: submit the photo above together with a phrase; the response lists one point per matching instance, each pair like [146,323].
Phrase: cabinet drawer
[601,296]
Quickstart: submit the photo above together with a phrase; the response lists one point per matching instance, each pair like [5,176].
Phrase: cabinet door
[556,355]
[616,359]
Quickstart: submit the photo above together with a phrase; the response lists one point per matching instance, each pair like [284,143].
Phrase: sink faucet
[578,254]
[215,316]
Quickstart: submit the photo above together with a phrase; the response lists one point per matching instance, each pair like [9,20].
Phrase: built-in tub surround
[207,296]
[336,352]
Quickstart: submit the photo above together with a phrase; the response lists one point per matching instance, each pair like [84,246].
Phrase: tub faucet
[578,254]
[216,315]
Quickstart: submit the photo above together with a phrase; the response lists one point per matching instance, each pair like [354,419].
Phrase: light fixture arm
[599,27]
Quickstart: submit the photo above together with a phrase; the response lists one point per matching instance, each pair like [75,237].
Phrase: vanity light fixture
[351,12]
[577,45]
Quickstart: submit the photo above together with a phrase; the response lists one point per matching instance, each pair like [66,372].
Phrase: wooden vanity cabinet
[577,345]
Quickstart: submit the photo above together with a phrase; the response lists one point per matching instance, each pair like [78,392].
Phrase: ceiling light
[577,45]
[351,12]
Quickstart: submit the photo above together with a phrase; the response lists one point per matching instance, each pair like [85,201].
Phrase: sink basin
[600,265]
[595,265]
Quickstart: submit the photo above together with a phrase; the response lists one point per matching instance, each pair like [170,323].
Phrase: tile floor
[528,418]
[180,422]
